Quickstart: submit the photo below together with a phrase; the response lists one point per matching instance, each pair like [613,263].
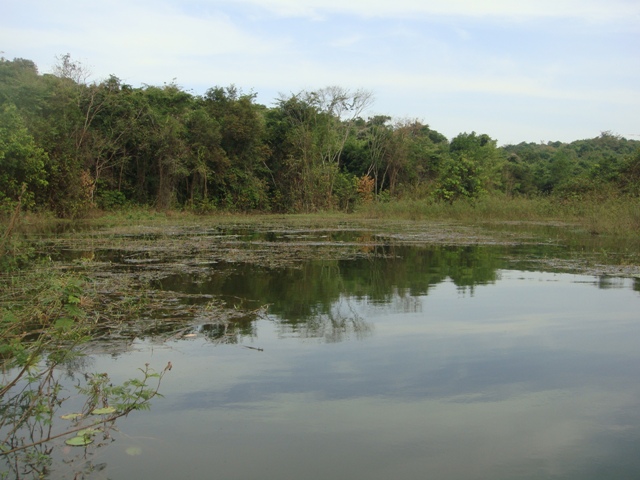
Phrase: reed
[598,214]
[615,215]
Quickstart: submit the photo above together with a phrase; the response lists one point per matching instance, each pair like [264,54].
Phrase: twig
[254,348]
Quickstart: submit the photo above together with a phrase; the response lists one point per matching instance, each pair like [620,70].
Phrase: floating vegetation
[71,416]
[103,411]
[79,441]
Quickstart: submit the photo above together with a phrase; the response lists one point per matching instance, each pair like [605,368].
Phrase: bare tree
[71,69]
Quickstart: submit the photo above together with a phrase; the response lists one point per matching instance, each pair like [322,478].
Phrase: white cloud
[528,56]
[130,38]
[591,10]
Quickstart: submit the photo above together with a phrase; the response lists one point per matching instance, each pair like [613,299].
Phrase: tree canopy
[67,145]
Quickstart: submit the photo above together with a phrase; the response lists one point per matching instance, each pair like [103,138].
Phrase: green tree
[629,177]
[206,161]
[517,176]
[22,162]
[561,168]
[316,128]
[159,146]
[416,159]
[472,168]
[244,180]
[378,137]
[20,85]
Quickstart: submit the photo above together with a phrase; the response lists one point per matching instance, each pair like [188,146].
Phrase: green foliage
[104,398]
[346,191]
[44,318]
[312,129]
[22,162]
[629,175]
[78,146]
[471,169]
[460,179]
[111,199]
[572,169]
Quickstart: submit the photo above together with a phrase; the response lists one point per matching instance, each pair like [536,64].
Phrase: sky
[517,70]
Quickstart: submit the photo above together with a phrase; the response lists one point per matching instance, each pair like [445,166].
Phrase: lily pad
[79,441]
[71,416]
[133,451]
[104,411]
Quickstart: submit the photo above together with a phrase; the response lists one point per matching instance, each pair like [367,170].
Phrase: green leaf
[103,411]
[71,416]
[79,441]
[73,310]
[64,323]
[72,299]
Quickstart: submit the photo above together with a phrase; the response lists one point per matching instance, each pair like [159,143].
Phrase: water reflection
[527,375]
[308,290]
[407,362]
[321,298]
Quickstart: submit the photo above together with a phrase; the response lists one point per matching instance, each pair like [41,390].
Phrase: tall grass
[615,215]
[601,214]
[485,209]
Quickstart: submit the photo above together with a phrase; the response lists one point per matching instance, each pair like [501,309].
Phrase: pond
[366,355]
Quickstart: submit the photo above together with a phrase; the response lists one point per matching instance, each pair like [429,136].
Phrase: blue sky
[525,70]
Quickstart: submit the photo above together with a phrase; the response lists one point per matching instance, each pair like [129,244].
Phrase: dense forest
[70,146]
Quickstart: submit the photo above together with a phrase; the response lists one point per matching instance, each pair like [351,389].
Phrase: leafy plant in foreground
[44,318]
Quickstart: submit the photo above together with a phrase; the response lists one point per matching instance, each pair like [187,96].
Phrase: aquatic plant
[44,319]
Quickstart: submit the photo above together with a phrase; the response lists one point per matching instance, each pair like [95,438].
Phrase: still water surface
[422,364]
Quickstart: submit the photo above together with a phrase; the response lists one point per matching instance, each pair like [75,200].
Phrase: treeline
[69,146]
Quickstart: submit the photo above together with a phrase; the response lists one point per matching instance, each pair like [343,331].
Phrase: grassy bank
[619,216]
[613,217]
